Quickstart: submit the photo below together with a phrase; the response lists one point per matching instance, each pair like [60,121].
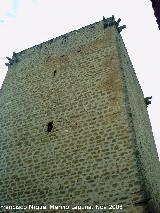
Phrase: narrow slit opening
[50,126]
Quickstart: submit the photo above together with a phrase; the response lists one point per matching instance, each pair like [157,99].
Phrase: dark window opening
[55,71]
[50,126]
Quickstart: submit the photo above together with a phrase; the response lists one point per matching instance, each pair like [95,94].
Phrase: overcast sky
[25,23]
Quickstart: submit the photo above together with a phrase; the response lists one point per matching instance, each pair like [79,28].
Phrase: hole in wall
[54,73]
[50,127]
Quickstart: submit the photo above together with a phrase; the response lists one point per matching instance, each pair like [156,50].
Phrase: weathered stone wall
[76,82]
[145,148]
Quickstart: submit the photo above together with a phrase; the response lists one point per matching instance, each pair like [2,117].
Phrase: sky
[25,23]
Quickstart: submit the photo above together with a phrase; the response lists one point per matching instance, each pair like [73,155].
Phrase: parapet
[89,33]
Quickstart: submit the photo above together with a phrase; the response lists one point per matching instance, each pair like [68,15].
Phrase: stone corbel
[121,28]
[108,22]
[147,100]
[12,60]
[112,22]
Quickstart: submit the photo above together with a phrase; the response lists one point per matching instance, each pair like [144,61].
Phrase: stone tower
[74,128]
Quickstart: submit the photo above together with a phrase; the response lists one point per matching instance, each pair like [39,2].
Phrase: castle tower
[74,127]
